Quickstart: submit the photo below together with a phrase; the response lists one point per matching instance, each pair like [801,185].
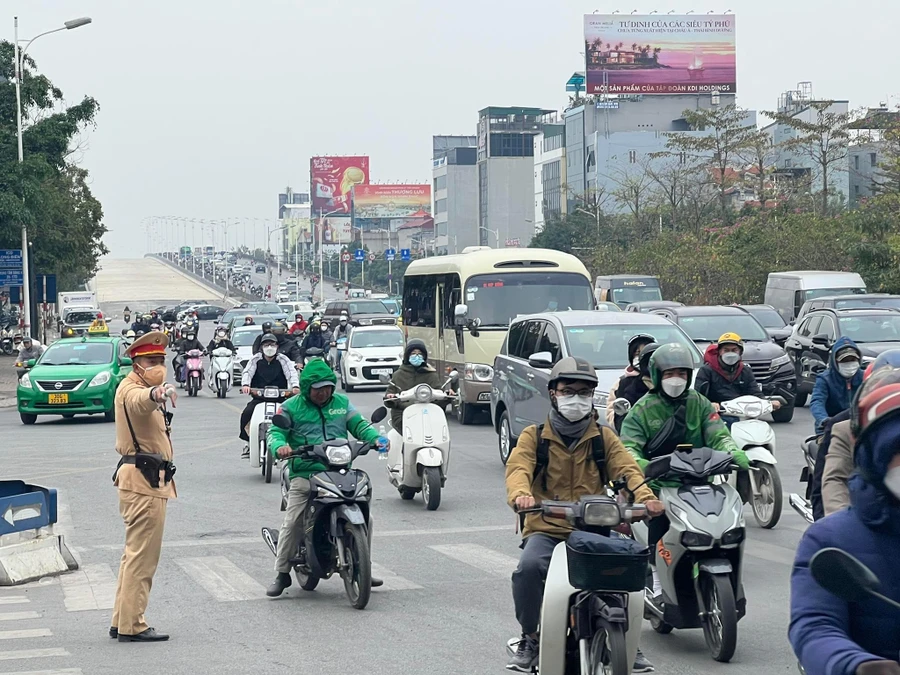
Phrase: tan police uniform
[143,507]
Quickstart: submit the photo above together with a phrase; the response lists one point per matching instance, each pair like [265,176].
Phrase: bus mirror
[460,315]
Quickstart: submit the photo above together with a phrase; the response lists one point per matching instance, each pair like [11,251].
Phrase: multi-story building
[455,192]
[549,175]
[290,197]
[866,152]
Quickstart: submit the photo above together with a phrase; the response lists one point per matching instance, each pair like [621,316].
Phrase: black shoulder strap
[542,454]
[137,446]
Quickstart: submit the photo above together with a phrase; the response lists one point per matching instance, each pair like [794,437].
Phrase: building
[866,153]
[550,201]
[290,197]
[455,192]
[506,212]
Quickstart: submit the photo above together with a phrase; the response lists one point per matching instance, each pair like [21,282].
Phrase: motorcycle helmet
[298,317]
[278,328]
[879,396]
[636,342]
[316,327]
[248,320]
[645,358]
[670,357]
[267,327]
[572,368]
[731,339]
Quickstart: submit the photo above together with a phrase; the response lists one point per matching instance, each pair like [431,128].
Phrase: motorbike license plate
[382,371]
[58,398]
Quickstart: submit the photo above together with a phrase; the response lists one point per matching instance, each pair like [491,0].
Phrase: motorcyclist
[130,337]
[414,370]
[265,369]
[182,347]
[317,414]
[126,314]
[266,330]
[30,349]
[140,324]
[571,470]
[248,320]
[342,330]
[287,345]
[314,339]
[326,333]
[836,385]
[299,324]
[169,316]
[220,339]
[631,385]
[672,414]
[830,635]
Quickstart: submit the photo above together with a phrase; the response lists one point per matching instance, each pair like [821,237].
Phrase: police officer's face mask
[153,376]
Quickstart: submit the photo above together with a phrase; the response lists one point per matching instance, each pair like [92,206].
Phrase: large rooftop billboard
[660,54]
[332,178]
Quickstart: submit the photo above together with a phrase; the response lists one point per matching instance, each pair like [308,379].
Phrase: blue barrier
[25,507]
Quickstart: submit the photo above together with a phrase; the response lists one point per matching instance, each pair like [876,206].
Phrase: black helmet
[279,328]
[415,343]
[572,368]
[669,357]
[645,358]
[636,342]
[267,327]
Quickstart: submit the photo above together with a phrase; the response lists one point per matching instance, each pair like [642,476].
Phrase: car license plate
[382,371]
[59,398]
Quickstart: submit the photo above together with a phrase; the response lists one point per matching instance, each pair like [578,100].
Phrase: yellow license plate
[59,398]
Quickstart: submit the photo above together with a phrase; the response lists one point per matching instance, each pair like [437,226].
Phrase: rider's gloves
[740,458]
[382,444]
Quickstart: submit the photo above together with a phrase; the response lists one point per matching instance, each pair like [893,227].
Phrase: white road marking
[480,557]
[60,671]
[13,600]
[392,581]
[34,654]
[90,588]
[24,633]
[221,578]
[19,616]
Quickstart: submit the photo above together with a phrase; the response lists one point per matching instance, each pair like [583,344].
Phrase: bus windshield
[498,298]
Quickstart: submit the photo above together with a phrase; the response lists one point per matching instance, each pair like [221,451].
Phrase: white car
[372,351]
[243,337]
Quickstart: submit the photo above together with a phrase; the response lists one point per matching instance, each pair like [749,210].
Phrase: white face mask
[731,358]
[674,386]
[270,351]
[892,481]
[636,362]
[574,408]
[848,368]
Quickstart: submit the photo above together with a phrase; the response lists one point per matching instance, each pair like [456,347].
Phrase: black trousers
[528,580]
[246,415]
[656,528]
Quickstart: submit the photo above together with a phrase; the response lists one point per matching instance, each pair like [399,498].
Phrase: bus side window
[418,299]
[452,297]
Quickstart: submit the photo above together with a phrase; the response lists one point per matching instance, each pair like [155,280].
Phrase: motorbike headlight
[423,393]
[601,398]
[338,455]
[696,539]
[779,361]
[100,378]
[25,381]
[479,372]
[602,514]
[734,536]
[753,409]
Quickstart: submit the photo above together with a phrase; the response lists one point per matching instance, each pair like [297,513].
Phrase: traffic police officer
[144,478]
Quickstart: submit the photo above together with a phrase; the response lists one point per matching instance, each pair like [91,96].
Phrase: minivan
[788,291]
[624,289]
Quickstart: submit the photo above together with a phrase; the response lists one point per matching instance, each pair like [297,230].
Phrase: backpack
[542,455]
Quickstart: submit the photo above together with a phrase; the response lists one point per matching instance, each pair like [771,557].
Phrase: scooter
[169,329]
[336,528]
[6,343]
[593,599]
[699,560]
[803,505]
[756,438]
[221,367]
[419,456]
[193,372]
[260,457]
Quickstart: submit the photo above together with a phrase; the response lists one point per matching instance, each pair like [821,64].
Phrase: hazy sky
[208,108]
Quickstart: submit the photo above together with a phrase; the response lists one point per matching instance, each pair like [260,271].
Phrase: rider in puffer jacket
[720,381]
[833,391]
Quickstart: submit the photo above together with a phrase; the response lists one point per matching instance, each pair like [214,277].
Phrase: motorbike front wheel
[269,463]
[768,499]
[608,652]
[431,487]
[720,625]
[357,575]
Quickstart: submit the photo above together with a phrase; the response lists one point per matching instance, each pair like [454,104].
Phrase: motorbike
[193,372]
[593,601]
[756,438]
[169,329]
[6,342]
[803,505]
[260,457]
[699,560]
[337,528]
[419,458]
[127,317]
[221,367]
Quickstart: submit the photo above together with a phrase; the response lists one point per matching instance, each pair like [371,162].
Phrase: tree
[887,180]
[823,137]
[759,155]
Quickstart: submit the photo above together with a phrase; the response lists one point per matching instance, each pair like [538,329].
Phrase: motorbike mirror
[621,406]
[30,363]
[384,379]
[658,467]
[841,574]
[282,420]
[125,361]
[379,414]
[454,375]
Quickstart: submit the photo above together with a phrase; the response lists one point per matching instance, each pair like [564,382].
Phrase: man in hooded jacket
[723,376]
[837,385]
[414,371]
[831,636]
[632,385]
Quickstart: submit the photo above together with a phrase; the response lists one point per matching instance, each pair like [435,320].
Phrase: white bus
[461,307]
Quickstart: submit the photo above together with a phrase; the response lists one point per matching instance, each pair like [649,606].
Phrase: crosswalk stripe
[89,588]
[58,671]
[392,581]
[33,654]
[13,600]
[480,557]
[18,616]
[24,633]
[221,578]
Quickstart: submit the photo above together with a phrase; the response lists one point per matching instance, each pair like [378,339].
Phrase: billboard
[660,54]
[336,230]
[391,201]
[332,178]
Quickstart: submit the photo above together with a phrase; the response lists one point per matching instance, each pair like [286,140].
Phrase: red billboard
[331,180]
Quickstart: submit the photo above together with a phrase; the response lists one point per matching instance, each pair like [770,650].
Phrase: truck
[76,299]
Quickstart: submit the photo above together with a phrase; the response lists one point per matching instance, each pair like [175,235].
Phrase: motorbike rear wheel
[720,625]
[306,580]
[357,575]
[767,505]
[608,652]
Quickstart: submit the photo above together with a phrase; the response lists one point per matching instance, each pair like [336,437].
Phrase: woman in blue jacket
[836,386]
[831,636]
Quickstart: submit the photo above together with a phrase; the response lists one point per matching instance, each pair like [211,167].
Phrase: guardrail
[231,291]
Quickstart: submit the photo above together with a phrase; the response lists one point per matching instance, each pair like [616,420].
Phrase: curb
[8,402]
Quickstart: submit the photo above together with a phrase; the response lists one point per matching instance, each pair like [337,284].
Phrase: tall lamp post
[19,56]
[322,218]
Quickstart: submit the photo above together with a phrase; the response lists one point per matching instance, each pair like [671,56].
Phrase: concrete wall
[510,207]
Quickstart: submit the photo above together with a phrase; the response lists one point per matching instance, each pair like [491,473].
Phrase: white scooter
[221,368]
[756,438]
[260,457]
[419,458]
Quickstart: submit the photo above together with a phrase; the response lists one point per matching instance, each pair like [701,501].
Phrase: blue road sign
[10,258]
[359,255]
[51,287]
[404,254]
[10,277]
[390,254]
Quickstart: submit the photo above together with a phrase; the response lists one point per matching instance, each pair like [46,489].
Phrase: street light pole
[321,265]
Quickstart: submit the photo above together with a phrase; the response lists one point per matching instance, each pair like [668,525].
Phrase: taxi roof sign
[98,327]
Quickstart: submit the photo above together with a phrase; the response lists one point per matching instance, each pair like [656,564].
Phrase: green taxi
[74,376]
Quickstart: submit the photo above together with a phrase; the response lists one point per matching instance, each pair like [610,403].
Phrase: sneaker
[641,664]
[657,586]
[245,453]
[525,657]
[282,581]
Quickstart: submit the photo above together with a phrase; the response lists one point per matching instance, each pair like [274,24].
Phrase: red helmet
[879,396]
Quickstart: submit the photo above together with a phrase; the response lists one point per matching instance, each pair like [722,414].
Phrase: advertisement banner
[660,54]
[391,201]
[336,230]
[332,178]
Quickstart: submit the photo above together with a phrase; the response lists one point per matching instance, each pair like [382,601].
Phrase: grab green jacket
[313,424]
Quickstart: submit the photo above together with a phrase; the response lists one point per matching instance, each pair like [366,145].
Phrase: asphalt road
[445,607]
